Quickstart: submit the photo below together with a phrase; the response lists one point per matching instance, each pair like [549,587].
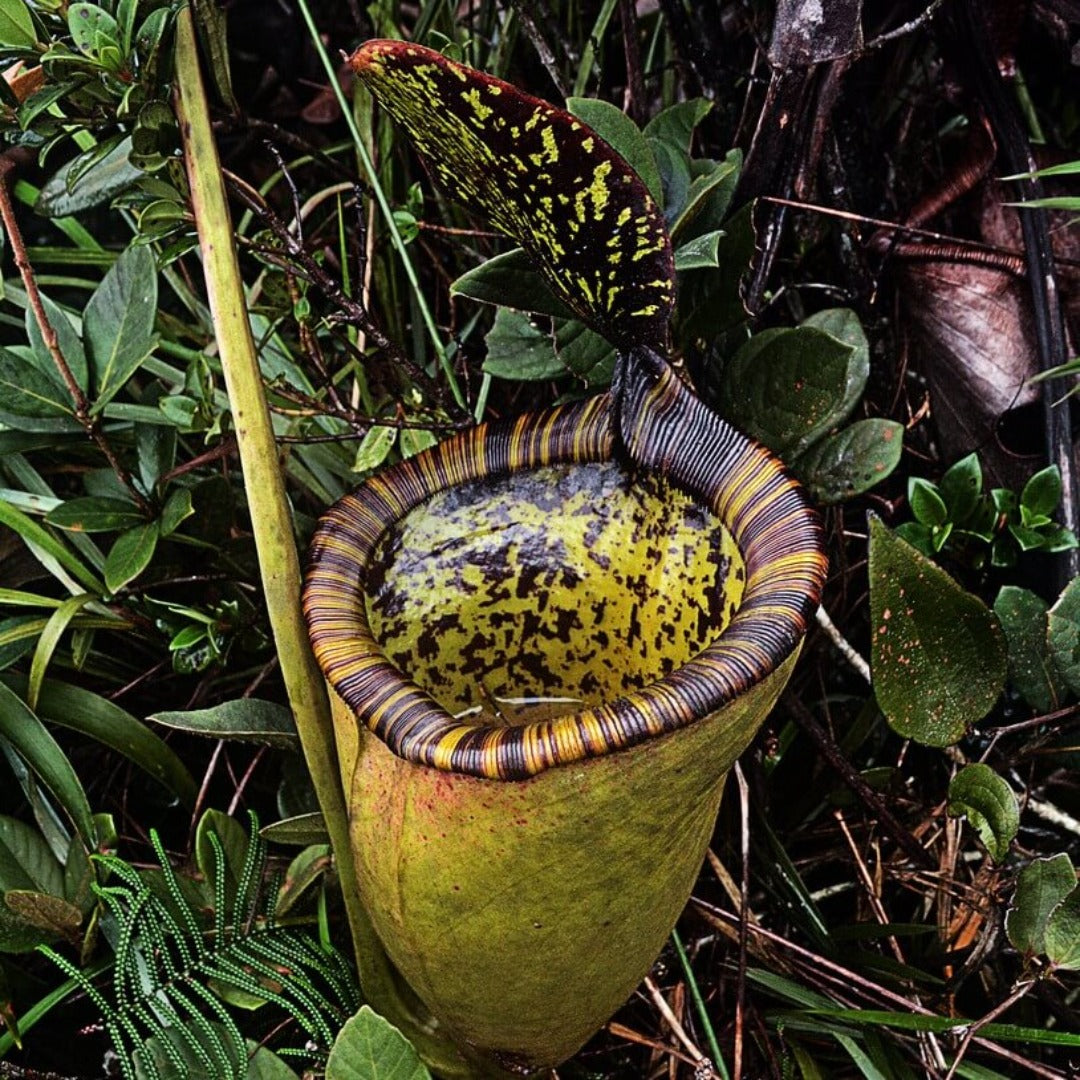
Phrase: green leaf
[517,349]
[130,555]
[786,387]
[1062,938]
[584,353]
[177,509]
[27,394]
[118,324]
[677,122]
[110,176]
[303,829]
[937,653]
[961,487]
[701,253]
[1032,670]
[371,1048]
[1040,887]
[245,720]
[510,280]
[47,544]
[852,461]
[92,26]
[16,26]
[622,135]
[844,325]
[374,448]
[304,870]
[68,341]
[989,804]
[53,631]
[211,24]
[94,513]
[26,865]
[100,719]
[155,448]
[706,202]
[541,177]
[926,502]
[1063,621]
[43,756]
[1042,492]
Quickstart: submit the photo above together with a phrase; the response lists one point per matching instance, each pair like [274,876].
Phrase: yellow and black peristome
[540,176]
[525,560]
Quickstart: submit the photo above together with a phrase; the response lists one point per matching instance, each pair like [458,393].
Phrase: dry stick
[744,919]
[849,978]
[635,81]
[850,776]
[992,1015]
[52,343]
[698,1059]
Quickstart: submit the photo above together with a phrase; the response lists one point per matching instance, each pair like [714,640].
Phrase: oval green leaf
[94,514]
[1063,622]
[1040,887]
[937,652]
[371,1048]
[511,280]
[1063,933]
[16,26]
[787,386]
[989,804]
[130,555]
[1032,671]
[246,720]
[852,461]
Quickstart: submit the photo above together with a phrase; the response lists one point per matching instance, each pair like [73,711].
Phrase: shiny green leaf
[510,280]
[118,324]
[371,1048]
[852,461]
[520,350]
[16,26]
[937,652]
[622,135]
[92,513]
[1040,887]
[130,555]
[988,803]
[1063,621]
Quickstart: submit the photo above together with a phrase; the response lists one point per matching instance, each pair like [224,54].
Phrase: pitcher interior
[524,596]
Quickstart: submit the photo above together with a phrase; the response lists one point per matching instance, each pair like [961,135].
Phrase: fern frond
[163,1007]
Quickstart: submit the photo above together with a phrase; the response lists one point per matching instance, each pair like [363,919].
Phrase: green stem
[271,522]
[699,1006]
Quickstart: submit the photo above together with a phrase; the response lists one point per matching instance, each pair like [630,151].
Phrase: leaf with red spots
[938,653]
[541,177]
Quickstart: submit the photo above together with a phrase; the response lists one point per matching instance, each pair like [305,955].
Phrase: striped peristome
[663,429]
[540,176]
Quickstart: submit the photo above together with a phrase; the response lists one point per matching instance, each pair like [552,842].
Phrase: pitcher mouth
[759,506]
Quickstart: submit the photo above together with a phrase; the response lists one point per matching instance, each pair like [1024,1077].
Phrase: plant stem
[52,343]
[271,521]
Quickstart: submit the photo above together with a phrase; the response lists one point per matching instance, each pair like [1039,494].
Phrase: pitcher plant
[549,638]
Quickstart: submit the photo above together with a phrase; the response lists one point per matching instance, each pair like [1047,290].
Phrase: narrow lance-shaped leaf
[540,176]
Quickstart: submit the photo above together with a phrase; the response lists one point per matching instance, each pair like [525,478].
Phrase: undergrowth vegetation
[891,889]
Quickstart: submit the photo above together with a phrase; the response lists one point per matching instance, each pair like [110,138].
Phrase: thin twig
[906,28]
[847,650]
[48,335]
[979,1024]
[744,920]
[696,1056]
[851,777]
